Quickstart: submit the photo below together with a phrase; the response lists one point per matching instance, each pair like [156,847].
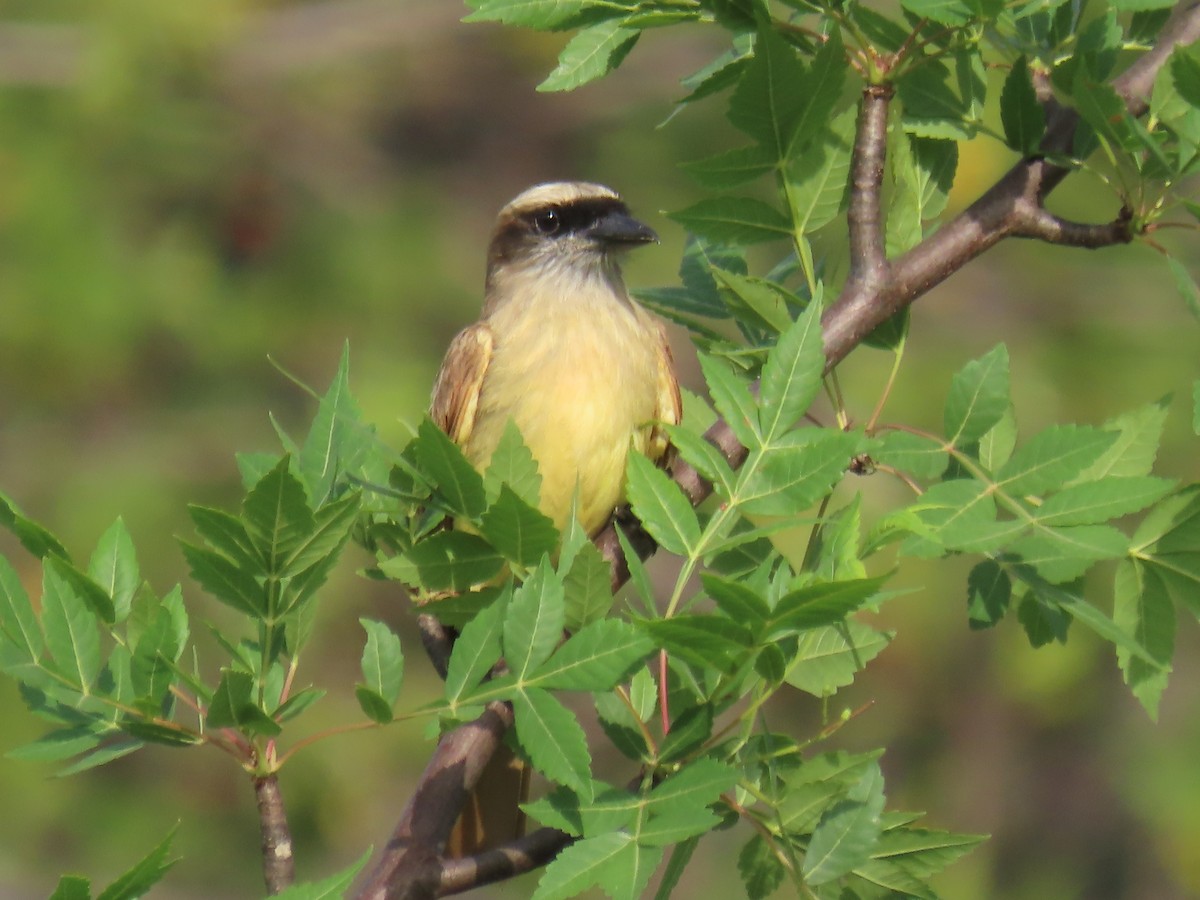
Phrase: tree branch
[279,863]
[868,264]
[515,858]
[1043,225]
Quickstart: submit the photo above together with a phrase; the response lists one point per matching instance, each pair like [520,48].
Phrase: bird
[583,370]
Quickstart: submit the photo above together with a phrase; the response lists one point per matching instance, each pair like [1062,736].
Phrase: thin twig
[279,864]
[868,265]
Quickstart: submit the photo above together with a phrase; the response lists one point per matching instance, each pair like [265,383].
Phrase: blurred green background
[191,193]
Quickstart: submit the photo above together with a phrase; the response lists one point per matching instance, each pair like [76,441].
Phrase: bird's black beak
[618,227]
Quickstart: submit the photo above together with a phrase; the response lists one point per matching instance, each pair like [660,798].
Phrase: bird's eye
[548,221]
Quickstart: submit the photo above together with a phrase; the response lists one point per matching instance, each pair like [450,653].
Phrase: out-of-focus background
[194,196]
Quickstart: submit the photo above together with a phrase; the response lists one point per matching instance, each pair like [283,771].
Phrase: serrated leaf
[768,103]
[1136,445]
[233,706]
[924,852]
[978,397]
[72,887]
[587,588]
[227,534]
[817,177]
[145,874]
[732,398]
[225,580]
[338,440]
[791,375]
[737,600]
[827,659]
[661,506]
[848,831]
[989,590]
[697,785]
[552,738]
[331,528]
[1052,458]
[820,604]
[944,12]
[593,52]
[732,168]
[917,455]
[446,561]
[476,650]
[152,668]
[931,107]
[762,872]
[756,300]
[704,456]
[705,641]
[277,515]
[1090,503]
[72,635]
[594,659]
[533,625]
[522,533]
[1022,115]
[787,480]
[736,220]
[512,464]
[1142,608]
[581,865]
[114,567]
[382,660]
[1063,554]
[18,622]
[681,855]
[33,537]
[457,481]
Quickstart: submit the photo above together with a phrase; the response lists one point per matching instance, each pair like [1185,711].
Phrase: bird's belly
[580,404]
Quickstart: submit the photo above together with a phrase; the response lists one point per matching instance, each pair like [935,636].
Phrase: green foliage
[775,571]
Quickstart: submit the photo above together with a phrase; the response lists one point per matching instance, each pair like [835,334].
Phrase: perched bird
[584,372]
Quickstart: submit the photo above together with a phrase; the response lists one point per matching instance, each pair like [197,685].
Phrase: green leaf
[1135,448]
[277,515]
[924,852]
[543,15]
[331,528]
[1052,458]
[736,220]
[1022,115]
[769,102]
[731,168]
[757,300]
[226,581]
[18,622]
[996,446]
[582,865]
[828,658]
[553,740]
[587,588]
[689,730]
[446,561]
[338,440]
[332,888]
[1196,407]
[787,480]
[457,481]
[114,567]
[817,177]
[1142,608]
[792,374]
[931,106]
[1063,554]
[697,785]
[533,625]
[592,53]
[661,506]
[476,650]
[152,668]
[33,537]
[762,872]
[704,456]
[848,831]
[227,534]
[382,662]
[512,464]
[675,826]
[820,604]
[145,874]
[595,659]
[944,12]
[702,640]
[737,600]
[72,636]
[978,397]
[917,455]
[1089,503]
[989,591]
[233,706]
[72,887]
[681,855]
[1186,285]
[522,533]
[732,398]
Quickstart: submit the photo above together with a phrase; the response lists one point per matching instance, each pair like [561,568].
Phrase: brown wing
[456,390]
[670,404]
